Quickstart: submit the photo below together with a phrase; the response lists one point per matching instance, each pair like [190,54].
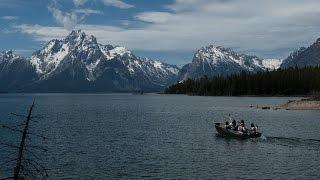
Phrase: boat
[222,131]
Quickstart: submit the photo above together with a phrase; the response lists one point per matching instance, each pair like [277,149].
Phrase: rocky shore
[302,104]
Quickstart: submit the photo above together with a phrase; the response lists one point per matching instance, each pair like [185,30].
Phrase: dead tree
[22,144]
[21,162]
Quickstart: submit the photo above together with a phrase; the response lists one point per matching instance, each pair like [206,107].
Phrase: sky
[167,30]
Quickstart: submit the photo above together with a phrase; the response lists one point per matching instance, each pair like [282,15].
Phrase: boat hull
[222,131]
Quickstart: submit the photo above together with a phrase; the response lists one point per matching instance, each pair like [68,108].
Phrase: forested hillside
[291,81]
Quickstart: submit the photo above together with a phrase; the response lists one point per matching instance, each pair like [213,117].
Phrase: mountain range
[78,63]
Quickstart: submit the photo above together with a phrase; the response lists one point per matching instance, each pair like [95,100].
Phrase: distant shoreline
[301,104]
[155,92]
[279,95]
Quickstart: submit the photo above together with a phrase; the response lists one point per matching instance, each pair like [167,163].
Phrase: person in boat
[241,127]
[253,129]
[227,126]
[234,125]
[242,123]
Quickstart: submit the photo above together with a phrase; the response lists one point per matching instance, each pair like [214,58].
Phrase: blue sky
[169,30]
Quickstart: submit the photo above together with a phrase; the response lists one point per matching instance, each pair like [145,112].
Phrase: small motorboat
[224,132]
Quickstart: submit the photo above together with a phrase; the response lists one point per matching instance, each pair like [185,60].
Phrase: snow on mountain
[15,72]
[215,55]
[220,61]
[111,52]
[49,58]
[78,63]
[80,56]
[271,64]
[77,45]
[302,57]
[8,56]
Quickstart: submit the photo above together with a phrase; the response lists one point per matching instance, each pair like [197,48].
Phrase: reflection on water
[105,136]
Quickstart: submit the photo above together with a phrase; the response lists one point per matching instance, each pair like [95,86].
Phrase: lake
[124,136]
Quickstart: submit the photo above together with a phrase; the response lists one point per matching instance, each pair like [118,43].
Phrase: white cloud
[9,18]
[154,17]
[11,3]
[88,11]
[68,20]
[79,2]
[43,33]
[249,25]
[117,3]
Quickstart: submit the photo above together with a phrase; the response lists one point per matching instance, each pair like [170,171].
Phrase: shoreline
[301,104]
[151,92]
[311,103]
[297,95]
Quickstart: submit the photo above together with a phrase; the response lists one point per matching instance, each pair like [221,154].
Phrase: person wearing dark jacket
[253,129]
[227,125]
[234,125]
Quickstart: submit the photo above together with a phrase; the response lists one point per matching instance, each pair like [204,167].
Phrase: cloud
[260,27]
[154,17]
[79,2]
[117,3]
[68,20]
[9,18]
[88,11]
[11,3]
[43,33]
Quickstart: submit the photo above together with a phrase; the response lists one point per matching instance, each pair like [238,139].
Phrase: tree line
[290,81]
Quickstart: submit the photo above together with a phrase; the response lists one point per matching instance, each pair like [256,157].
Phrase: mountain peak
[8,55]
[214,49]
[8,52]
[79,35]
[76,33]
[212,52]
[220,61]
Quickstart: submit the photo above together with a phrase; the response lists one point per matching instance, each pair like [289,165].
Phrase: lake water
[124,136]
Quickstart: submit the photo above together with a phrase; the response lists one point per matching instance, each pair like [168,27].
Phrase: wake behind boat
[224,131]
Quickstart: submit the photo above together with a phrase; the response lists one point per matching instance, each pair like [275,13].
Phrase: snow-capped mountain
[79,63]
[220,61]
[8,56]
[304,57]
[15,72]
[271,64]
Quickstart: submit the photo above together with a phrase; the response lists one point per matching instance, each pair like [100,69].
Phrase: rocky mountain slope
[220,61]
[79,63]
[304,56]
[15,72]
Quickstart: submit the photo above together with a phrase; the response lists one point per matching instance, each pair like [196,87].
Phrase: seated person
[234,125]
[227,126]
[241,129]
[242,123]
[253,128]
